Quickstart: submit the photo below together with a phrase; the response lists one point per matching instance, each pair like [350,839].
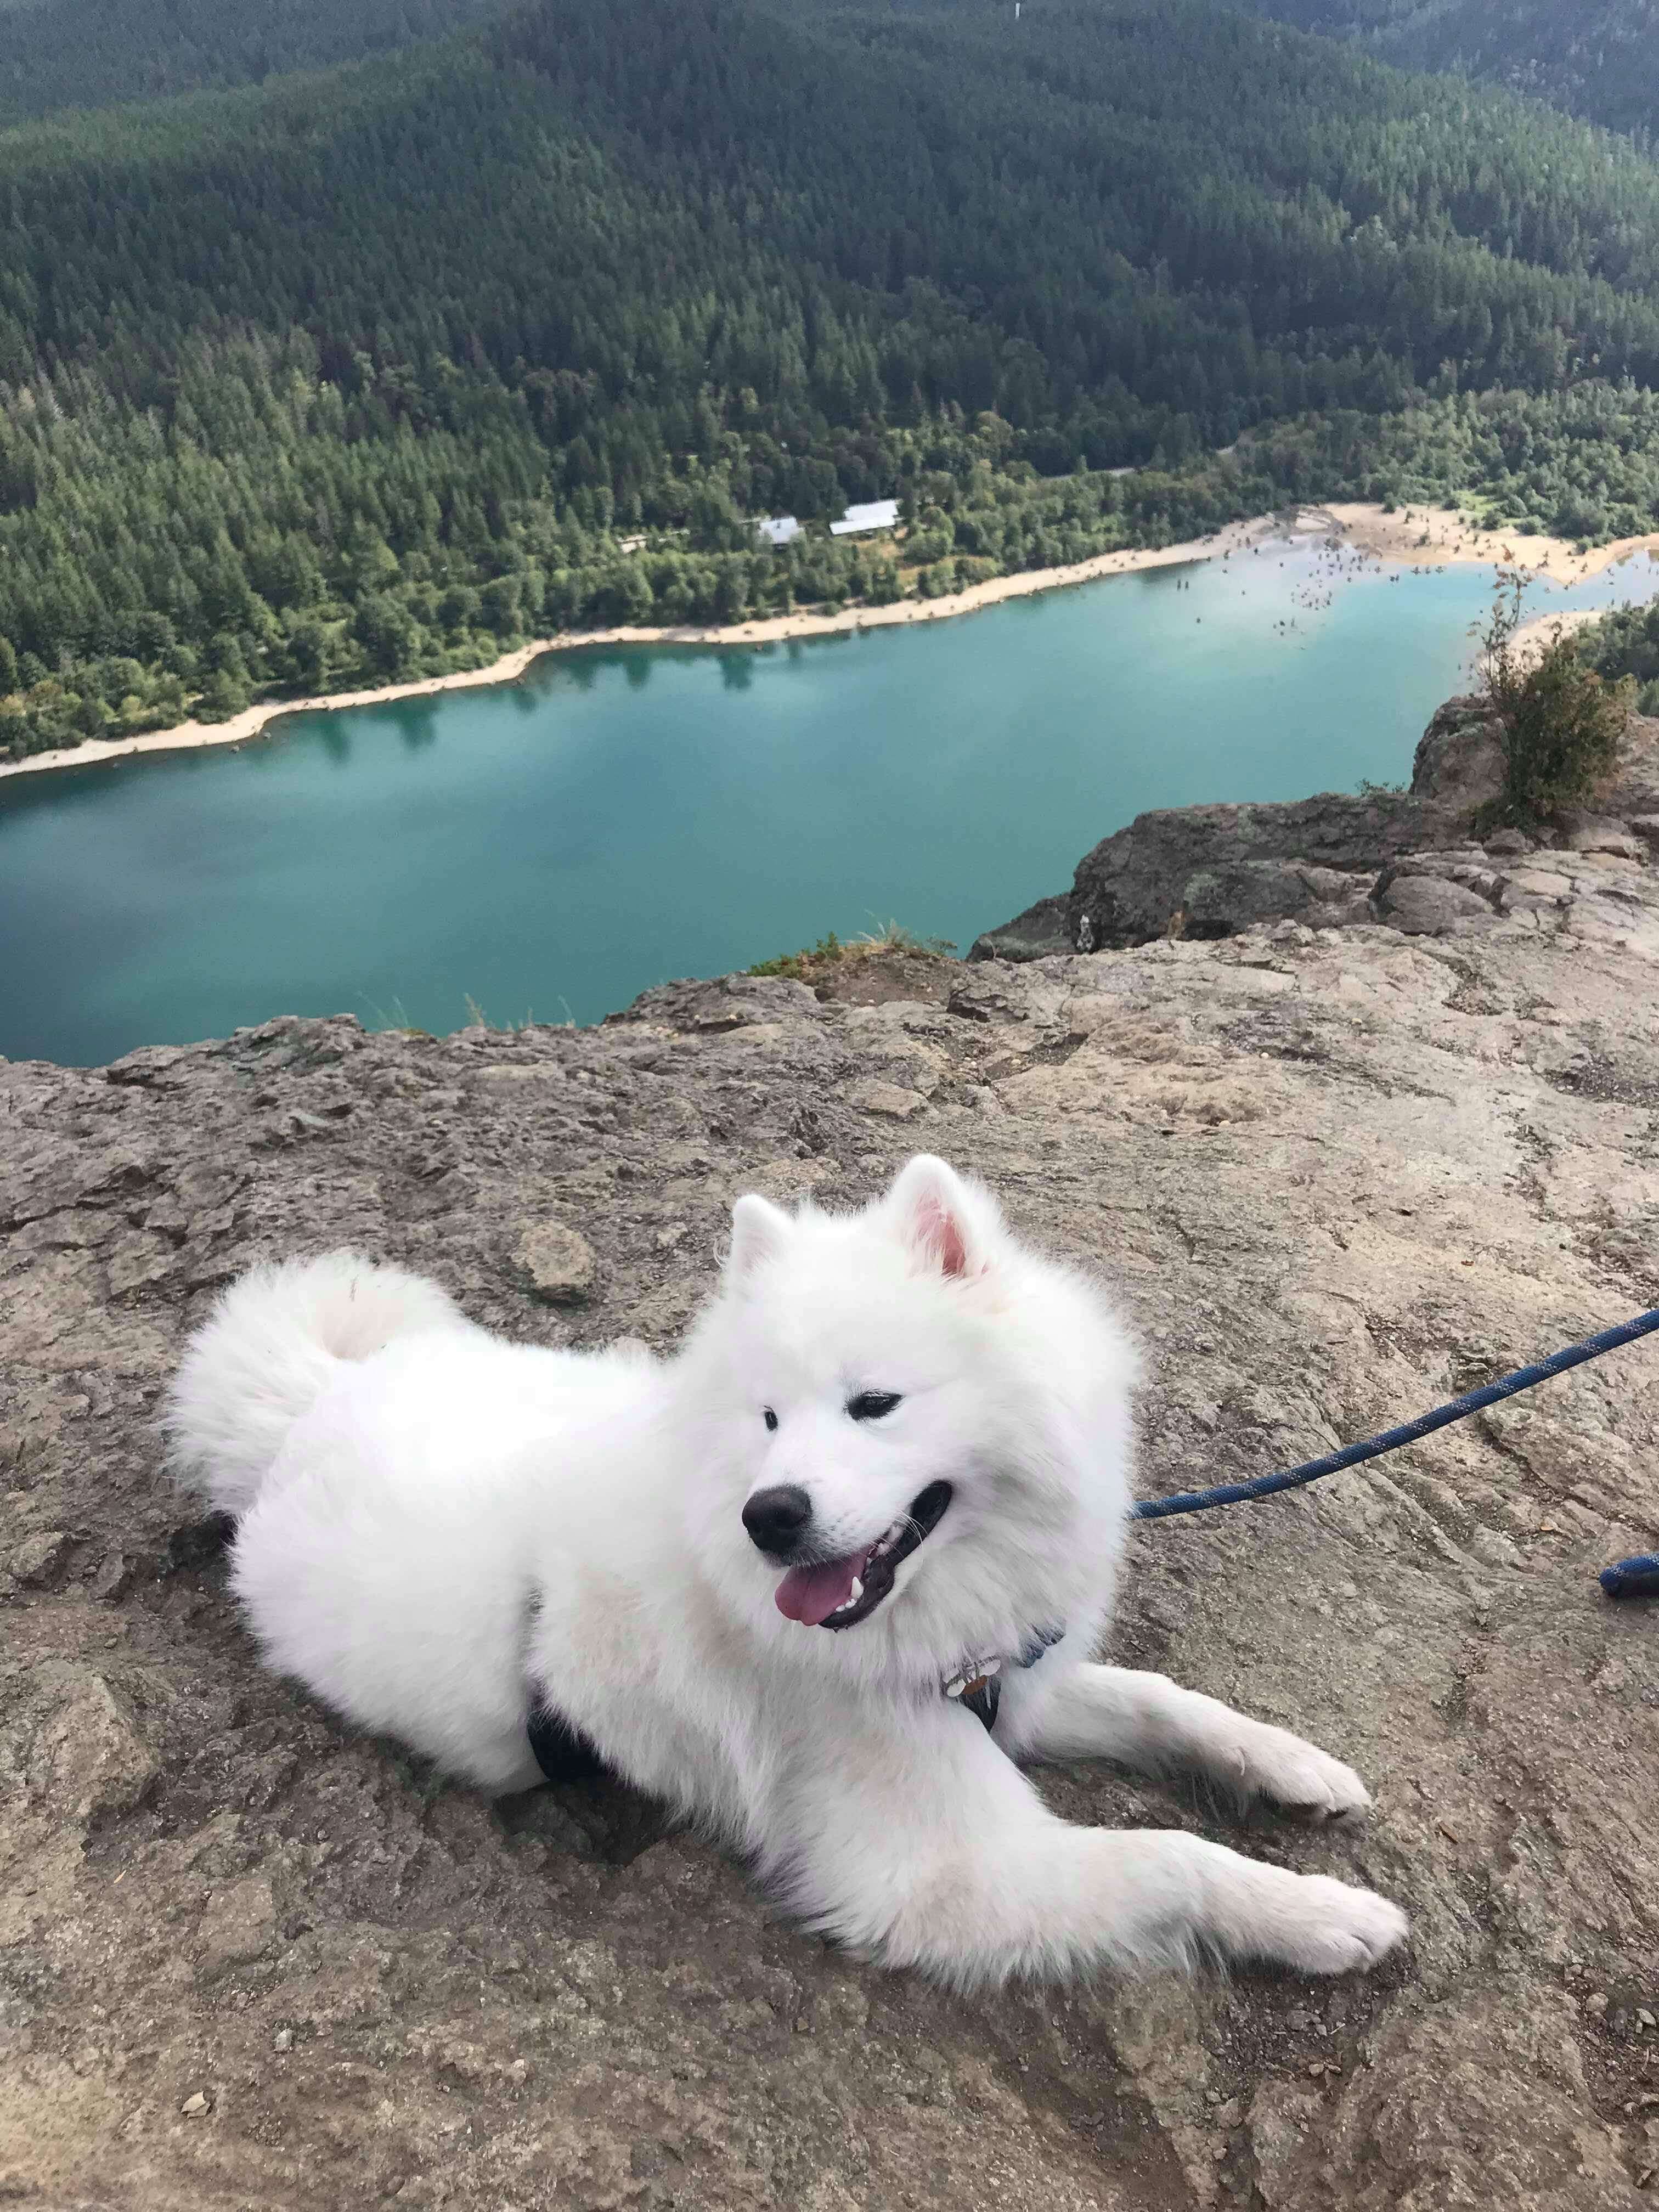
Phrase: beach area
[1434,536]
[1407,538]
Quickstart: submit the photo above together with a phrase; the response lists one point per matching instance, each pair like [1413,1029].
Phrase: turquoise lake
[625,815]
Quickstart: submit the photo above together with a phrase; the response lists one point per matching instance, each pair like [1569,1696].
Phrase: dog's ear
[760,1231]
[950,1228]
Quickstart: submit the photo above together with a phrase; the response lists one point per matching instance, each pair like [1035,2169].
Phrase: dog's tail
[268,1350]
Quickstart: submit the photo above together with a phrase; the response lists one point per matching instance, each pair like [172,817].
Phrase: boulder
[1460,761]
[1041,930]
[1330,861]
[1633,786]
[556,1263]
[1599,833]
[1220,899]
[1429,906]
[1222,868]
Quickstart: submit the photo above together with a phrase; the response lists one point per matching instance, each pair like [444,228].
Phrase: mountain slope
[1597,58]
[100,53]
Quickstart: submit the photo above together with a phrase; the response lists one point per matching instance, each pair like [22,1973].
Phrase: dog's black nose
[777,1518]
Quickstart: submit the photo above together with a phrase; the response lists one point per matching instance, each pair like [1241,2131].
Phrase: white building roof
[874,514]
[778,529]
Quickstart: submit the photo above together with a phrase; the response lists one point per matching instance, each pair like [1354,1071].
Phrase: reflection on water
[626,815]
[419,727]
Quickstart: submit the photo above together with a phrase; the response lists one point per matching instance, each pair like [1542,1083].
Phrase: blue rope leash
[1636,1578]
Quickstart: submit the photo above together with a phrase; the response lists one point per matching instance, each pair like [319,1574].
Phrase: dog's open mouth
[840,1593]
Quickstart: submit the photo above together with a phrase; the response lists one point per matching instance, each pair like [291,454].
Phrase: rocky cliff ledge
[250,1958]
[1409,859]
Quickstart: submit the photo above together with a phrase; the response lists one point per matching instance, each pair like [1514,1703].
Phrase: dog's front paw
[1331,1929]
[1306,1921]
[1296,1778]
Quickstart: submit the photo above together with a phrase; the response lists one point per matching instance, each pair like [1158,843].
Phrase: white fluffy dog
[823,1580]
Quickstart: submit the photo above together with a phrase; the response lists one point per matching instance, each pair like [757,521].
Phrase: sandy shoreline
[1433,536]
[1427,536]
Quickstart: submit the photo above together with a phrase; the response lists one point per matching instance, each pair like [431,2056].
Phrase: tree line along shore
[1618,644]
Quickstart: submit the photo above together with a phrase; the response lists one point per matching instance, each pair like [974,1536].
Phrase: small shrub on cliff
[1561,721]
[796,965]
[813,961]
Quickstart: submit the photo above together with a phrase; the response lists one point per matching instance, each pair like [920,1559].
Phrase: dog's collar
[564,1753]
[977,1683]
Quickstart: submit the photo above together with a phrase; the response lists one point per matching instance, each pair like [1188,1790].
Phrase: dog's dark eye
[769,1417]
[870,1405]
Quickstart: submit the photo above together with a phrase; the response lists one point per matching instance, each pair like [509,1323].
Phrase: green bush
[1563,729]
[1561,721]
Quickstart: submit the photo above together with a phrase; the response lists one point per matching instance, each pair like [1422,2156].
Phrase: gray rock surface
[249,1958]
[1402,859]
[1211,870]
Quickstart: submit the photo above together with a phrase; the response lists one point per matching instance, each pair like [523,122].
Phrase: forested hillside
[98,53]
[1626,644]
[366,374]
[1599,58]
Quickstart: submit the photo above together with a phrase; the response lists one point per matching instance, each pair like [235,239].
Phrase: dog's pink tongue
[811,1595]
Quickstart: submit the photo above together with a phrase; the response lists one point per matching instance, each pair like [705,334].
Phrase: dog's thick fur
[435,1526]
